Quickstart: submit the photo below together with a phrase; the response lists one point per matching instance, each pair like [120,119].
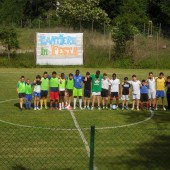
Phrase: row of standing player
[62,89]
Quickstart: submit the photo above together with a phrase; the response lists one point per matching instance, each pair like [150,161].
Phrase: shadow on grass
[151,155]
[160,119]
[19,167]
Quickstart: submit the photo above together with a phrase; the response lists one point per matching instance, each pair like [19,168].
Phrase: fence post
[92,136]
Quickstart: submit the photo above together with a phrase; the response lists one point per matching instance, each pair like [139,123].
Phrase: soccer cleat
[38,108]
[84,108]
[127,108]
[99,108]
[46,107]
[60,108]
[106,107]
[132,108]
[41,108]
[103,107]
[81,108]
[74,108]
[35,108]
[56,108]
[137,109]
[122,108]
[92,108]
[164,108]
[51,108]
[156,108]
[88,107]
[21,109]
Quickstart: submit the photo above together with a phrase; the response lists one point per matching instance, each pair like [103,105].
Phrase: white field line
[4,101]
[72,129]
[128,125]
[81,135]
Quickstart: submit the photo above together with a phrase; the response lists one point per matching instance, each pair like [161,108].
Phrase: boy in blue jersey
[77,90]
[144,94]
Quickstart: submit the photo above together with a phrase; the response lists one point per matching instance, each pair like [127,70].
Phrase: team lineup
[64,90]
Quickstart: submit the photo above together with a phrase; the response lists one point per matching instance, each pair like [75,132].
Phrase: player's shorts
[114,94]
[54,95]
[36,94]
[44,93]
[160,93]
[136,96]
[21,95]
[28,97]
[62,93]
[151,94]
[105,93]
[70,92]
[96,93]
[144,97]
[87,93]
[125,97]
[77,92]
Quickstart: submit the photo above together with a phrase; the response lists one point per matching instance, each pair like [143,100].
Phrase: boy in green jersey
[96,88]
[54,90]
[20,88]
[69,89]
[62,87]
[28,92]
[44,90]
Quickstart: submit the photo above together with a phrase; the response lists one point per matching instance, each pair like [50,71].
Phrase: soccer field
[53,140]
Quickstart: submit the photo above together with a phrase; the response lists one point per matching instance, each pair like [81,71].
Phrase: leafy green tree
[129,22]
[121,34]
[8,39]
[11,11]
[78,10]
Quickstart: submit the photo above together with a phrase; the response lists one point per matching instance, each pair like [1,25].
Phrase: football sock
[45,102]
[75,100]
[41,103]
[80,102]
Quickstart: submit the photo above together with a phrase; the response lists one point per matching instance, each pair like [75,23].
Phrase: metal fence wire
[141,147]
[39,149]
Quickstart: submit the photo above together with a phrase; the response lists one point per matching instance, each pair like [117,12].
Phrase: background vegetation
[117,33]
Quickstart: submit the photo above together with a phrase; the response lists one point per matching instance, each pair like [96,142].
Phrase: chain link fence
[133,148]
[139,147]
[41,149]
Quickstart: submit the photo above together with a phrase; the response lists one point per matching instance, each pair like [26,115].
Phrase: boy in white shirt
[135,91]
[37,91]
[105,90]
[114,89]
[152,90]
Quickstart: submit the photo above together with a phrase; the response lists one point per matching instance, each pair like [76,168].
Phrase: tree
[121,34]
[8,39]
[159,12]
[78,10]
[11,11]
[133,14]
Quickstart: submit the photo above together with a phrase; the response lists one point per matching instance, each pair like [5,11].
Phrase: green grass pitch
[49,140]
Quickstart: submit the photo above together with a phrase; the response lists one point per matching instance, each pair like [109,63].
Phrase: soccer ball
[114,107]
